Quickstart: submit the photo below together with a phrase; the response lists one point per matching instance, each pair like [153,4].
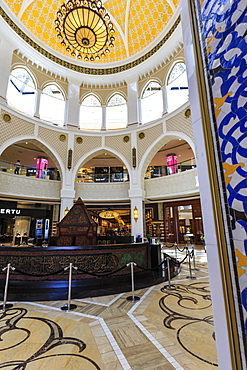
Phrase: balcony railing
[9,167]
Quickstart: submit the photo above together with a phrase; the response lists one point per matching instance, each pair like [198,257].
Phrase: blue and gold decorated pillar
[215,46]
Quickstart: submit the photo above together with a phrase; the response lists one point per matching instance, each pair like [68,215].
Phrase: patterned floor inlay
[164,330]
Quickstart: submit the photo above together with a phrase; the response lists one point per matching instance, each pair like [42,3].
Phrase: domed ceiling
[138,25]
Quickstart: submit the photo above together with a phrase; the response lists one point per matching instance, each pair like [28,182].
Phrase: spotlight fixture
[84,28]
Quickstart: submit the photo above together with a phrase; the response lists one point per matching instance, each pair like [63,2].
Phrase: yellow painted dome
[137,24]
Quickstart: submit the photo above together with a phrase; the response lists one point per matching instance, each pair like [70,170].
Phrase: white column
[103,124]
[6,52]
[137,225]
[140,110]
[73,105]
[164,97]
[132,103]
[67,201]
[37,104]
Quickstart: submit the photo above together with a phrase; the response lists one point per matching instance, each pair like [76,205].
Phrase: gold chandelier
[85,29]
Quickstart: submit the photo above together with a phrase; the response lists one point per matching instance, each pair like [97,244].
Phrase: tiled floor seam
[154,341]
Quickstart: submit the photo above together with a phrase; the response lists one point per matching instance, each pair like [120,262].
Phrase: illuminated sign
[9,211]
[108,214]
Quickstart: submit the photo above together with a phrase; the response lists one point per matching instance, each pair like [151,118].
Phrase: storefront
[21,221]
[179,221]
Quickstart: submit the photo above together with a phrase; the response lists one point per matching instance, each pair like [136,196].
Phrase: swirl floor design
[12,323]
[113,333]
[195,299]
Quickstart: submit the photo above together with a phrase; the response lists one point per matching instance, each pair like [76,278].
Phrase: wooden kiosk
[77,228]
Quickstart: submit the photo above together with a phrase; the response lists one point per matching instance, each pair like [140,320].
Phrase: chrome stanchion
[69,306]
[187,253]
[169,286]
[6,305]
[132,298]
[194,259]
[176,251]
[190,276]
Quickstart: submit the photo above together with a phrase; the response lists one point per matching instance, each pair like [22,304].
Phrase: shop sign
[10,211]
[108,214]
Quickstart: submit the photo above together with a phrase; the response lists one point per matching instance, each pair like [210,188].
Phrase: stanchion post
[6,305]
[132,298]
[69,306]
[176,251]
[169,286]
[187,253]
[194,259]
[190,276]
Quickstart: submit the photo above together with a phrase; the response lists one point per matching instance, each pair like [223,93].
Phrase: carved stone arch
[112,94]
[87,94]
[28,70]
[156,146]
[144,87]
[95,152]
[168,72]
[52,82]
[46,148]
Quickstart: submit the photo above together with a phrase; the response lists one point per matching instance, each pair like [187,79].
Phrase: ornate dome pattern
[137,23]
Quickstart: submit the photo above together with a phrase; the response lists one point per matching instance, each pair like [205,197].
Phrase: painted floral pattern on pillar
[225,33]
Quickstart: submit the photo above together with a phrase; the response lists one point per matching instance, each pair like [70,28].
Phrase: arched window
[177,87]
[90,113]
[52,104]
[116,113]
[21,91]
[152,102]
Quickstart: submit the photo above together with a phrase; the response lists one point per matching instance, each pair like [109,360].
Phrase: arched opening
[52,104]
[151,102]
[21,91]
[177,87]
[174,157]
[103,168]
[116,113]
[29,222]
[34,161]
[174,220]
[90,113]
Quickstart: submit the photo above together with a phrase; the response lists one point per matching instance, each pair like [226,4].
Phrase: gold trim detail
[7,117]
[141,135]
[77,68]
[62,137]
[187,113]
[126,139]
[225,269]
[79,140]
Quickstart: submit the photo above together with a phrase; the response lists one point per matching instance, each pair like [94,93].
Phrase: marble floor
[170,327]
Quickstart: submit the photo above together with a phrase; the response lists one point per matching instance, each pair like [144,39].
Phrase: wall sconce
[66,211]
[69,159]
[134,157]
[135,213]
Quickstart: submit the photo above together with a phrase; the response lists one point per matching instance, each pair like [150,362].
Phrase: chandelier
[85,29]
